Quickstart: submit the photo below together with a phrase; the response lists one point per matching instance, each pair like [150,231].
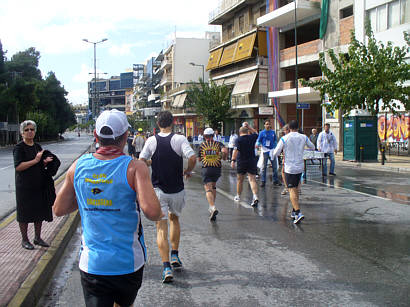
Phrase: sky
[136,30]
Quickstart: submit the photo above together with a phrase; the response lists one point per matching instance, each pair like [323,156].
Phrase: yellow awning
[262,44]
[245,83]
[245,47]
[228,54]
[214,58]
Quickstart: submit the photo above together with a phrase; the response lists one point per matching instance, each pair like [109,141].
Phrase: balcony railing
[308,48]
[223,7]
[287,85]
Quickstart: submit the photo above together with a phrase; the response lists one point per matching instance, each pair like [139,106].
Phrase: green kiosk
[360,137]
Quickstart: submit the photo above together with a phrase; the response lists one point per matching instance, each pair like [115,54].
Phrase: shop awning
[175,103]
[214,58]
[245,47]
[219,82]
[181,100]
[245,83]
[228,54]
[305,94]
[230,80]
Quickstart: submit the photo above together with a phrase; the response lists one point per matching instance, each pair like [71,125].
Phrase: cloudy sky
[135,29]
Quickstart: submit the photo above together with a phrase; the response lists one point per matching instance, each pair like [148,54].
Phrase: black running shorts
[210,174]
[292,180]
[247,166]
[104,290]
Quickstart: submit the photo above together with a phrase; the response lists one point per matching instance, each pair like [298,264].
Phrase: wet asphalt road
[352,249]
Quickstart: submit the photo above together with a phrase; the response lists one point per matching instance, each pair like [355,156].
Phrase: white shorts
[172,203]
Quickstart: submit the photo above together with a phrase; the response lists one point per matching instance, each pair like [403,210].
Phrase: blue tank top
[167,167]
[113,238]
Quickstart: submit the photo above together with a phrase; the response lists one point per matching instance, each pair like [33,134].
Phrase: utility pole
[94,107]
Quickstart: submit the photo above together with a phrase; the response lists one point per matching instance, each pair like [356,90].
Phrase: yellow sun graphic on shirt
[211,154]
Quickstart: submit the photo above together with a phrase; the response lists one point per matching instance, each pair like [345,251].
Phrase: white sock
[255,196]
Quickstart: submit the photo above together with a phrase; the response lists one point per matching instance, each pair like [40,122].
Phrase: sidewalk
[25,273]
[393,163]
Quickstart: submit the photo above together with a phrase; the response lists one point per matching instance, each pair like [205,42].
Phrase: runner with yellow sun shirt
[210,154]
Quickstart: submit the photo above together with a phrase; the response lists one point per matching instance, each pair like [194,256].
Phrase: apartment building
[294,59]
[182,64]
[148,103]
[240,61]
[111,93]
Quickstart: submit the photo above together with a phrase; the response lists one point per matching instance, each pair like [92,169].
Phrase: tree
[210,101]
[369,76]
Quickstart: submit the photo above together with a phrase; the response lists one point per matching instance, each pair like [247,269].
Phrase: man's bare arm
[147,198]
[66,201]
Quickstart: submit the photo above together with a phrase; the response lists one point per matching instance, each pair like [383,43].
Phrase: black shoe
[262,184]
[277,183]
[27,245]
[40,242]
[332,174]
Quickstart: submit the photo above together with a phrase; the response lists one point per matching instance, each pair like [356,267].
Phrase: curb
[32,288]
[377,167]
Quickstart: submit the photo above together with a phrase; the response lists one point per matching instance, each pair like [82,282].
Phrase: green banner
[323,18]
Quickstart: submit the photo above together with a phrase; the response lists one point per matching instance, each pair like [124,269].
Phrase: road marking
[227,195]
[3,168]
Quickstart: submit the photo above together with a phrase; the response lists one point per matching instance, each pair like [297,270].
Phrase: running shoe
[176,262]
[254,202]
[277,183]
[167,275]
[212,213]
[293,215]
[298,218]
[284,192]
[237,198]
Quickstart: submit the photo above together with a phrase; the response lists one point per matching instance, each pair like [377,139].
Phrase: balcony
[287,94]
[226,10]
[166,80]
[309,48]
[345,26]
[285,15]
[166,62]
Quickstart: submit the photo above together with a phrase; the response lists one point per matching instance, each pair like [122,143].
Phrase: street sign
[303,106]
[265,110]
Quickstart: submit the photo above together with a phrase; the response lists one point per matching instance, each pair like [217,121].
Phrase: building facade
[112,93]
[389,19]
[294,59]
[183,63]
[241,61]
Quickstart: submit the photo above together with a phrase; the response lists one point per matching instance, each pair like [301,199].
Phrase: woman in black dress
[30,185]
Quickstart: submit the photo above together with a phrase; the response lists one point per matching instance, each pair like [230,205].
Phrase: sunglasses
[29,129]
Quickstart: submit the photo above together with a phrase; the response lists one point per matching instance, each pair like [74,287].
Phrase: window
[229,31]
[346,12]
[381,18]
[389,15]
[405,11]
[262,10]
[394,14]
[241,23]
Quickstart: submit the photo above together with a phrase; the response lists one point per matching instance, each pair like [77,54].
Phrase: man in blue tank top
[166,151]
[109,189]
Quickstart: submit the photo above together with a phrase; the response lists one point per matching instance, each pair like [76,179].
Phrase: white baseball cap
[113,119]
[209,131]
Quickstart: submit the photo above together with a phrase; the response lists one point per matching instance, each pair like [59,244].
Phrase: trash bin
[360,138]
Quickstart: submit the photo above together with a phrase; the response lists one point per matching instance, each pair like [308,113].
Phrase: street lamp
[94,111]
[203,69]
